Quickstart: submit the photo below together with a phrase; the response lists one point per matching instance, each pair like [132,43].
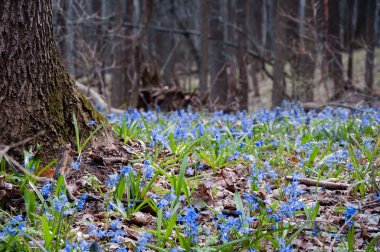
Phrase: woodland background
[222,54]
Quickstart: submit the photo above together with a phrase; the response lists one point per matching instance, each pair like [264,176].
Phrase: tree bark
[36,93]
[219,83]
[121,82]
[256,20]
[242,54]
[203,84]
[334,45]
[306,55]
[138,54]
[370,46]
[278,90]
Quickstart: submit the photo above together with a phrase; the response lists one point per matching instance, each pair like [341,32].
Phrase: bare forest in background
[220,54]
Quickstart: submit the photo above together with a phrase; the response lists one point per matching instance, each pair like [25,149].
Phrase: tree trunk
[334,56]
[306,54]
[36,91]
[203,84]
[350,28]
[256,13]
[219,83]
[278,90]
[121,82]
[242,54]
[370,46]
[138,54]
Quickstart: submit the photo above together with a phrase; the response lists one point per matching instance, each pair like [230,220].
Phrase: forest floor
[273,180]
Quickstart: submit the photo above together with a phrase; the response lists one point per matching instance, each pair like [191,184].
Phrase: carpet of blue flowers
[208,182]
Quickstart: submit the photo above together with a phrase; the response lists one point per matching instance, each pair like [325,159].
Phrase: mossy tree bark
[36,93]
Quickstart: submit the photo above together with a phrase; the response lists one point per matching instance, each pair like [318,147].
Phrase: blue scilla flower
[115,224]
[284,247]
[190,223]
[126,170]
[81,202]
[350,211]
[227,226]
[148,170]
[75,165]
[377,197]
[60,203]
[142,241]
[15,225]
[113,180]
[69,247]
[46,189]
[162,203]
[122,250]
[91,122]
[234,156]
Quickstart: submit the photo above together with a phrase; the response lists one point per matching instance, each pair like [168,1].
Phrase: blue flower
[126,170]
[69,247]
[46,189]
[75,165]
[113,180]
[60,203]
[377,197]
[189,171]
[122,250]
[284,247]
[142,241]
[91,122]
[350,211]
[162,203]
[148,171]
[82,202]
[190,223]
[15,225]
[115,224]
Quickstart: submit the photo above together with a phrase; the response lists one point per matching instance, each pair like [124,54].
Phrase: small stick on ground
[61,169]
[25,171]
[324,184]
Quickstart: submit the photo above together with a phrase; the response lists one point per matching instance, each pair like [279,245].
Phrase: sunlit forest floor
[273,180]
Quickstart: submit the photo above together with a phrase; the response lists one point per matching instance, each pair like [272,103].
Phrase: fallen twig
[25,171]
[61,169]
[340,232]
[324,184]
[6,148]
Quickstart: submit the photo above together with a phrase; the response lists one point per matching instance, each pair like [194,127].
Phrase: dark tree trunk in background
[334,47]
[219,83]
[241,14]
[350,28]
[306,57]
[370,45]
[36,93]
[255,10]
[204,20]
[278,90]
[121,82]
[138,53]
